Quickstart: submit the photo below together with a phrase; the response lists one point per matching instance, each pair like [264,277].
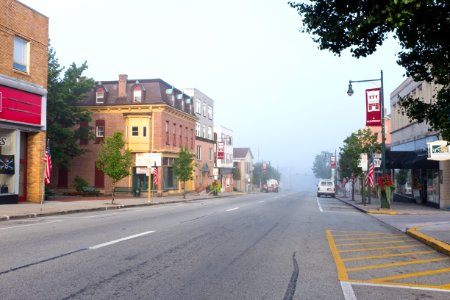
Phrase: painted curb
[430,241]
[377,212]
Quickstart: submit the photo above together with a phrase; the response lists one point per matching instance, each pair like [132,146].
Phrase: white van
[326,187]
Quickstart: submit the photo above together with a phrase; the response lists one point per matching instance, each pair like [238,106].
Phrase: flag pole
[45,171]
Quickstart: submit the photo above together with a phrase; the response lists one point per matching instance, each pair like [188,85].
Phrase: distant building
[204,138]
[23,102]
[243,161]
[224,138]
[156,120]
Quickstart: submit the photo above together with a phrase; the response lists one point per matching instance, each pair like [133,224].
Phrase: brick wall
[444,166]
[35,166]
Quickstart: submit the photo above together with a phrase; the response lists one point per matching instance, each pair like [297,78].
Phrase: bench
[89,191]
[123,189]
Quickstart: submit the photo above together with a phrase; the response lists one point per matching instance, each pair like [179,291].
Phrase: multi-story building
[224,156]
[243,161]
[417,178]
[156,120]
[204,138]
[23,83]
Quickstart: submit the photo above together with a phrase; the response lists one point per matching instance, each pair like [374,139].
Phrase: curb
[436,244]
[109,207]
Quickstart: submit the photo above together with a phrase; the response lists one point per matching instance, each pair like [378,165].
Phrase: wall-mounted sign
[3,141]
[148,159]
[6,164]
[439,150]
[20,106]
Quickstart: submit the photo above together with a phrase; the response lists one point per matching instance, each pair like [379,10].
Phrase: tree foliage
[113,160]
[183,167]
[362,141]
[321,166]
[421,27]
[63,117]
[261,177]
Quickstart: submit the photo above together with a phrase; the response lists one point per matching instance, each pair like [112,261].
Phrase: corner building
[23,98]
[156,120]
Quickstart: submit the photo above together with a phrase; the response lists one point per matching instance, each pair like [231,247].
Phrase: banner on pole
[373,107]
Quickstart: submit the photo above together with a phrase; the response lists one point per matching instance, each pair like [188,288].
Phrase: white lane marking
[97,216]
[320,206]
[120,240]
[401,287]
[262,201]
[231,209]
[28,225]
[347,289]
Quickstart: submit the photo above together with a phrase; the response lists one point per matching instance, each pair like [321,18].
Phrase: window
[192,139]
[199,152]
[167,132]
[181,137]
[84,132]
[204,109]
[197,129]
[144,132]
[100,95]
[20,54]
[137,94]
[198,107]
[186,137]
[210,112]
[204,131]
[134,131]
[210,133]
[174,132]
[99,131]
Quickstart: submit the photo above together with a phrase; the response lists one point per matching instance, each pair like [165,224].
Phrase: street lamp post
[383,137]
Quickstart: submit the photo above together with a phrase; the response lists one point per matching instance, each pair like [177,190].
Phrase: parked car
[270,186]
[326,187]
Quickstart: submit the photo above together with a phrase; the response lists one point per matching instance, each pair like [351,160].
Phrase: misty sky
[282,97]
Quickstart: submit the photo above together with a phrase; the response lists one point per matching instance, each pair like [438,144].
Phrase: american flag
[155,175]
[48,164]
[370,175]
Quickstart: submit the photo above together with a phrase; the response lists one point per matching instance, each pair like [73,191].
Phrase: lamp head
[350,89]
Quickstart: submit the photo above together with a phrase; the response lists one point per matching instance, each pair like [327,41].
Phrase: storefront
[22,141]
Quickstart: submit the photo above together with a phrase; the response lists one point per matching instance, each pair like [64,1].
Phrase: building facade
[204,138]
[23,100]
[416,177]
[156,120]
[243,161]
[224,156]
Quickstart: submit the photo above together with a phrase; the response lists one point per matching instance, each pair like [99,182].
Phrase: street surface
[258,246]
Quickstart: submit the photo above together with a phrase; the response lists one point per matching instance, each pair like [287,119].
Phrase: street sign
[376,162]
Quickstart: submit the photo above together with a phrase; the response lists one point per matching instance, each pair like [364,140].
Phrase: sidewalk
[426,224]
[73,204]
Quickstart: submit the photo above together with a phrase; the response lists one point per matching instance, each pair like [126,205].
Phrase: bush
[79,183]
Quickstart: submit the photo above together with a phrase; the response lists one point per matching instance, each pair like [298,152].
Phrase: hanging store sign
[20,106]
[220,150]
[373,107]
[439,150]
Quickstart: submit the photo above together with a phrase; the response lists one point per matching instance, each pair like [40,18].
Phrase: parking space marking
[352,267]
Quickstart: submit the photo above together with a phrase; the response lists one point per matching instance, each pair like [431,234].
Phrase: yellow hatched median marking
[370,238]
[405,263]
[356,233]
[374,243]
[376,248]
[387,255]
[342,274]
[410,275]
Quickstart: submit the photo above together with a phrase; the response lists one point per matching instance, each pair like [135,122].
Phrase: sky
[282,96]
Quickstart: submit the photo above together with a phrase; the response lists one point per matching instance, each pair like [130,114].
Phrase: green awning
[205,168]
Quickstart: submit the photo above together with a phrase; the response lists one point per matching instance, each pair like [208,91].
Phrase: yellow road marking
[342,274]
[370,238]
[377,248]
[374,243]
[405,263]
[445,286]
[387,255]
[356,233]
[409,275]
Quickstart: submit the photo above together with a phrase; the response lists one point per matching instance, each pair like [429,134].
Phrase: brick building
[155,119]
[23,83]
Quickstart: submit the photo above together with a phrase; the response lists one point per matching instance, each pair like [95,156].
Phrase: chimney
[123,85]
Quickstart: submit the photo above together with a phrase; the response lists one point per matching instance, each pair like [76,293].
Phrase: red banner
[20,106]
[373,107]
[220,150]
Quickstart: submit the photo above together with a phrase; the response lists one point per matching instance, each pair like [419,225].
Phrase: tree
[321,166]
[362,141]
[261,177]
[113,160]
[63,115]
[421,27]
[183,167]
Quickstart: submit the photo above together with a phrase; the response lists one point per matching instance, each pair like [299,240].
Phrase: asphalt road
[259,246]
